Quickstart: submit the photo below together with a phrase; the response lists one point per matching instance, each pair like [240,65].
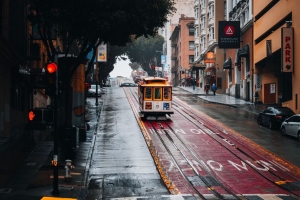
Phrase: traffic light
[51,76]
[35,116]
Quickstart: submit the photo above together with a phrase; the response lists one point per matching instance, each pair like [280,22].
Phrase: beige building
[276,75]
[207,15]
[182,44]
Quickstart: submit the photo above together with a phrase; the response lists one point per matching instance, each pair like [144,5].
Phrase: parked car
[273,117]
[128,85]
[92,91]
[291,126]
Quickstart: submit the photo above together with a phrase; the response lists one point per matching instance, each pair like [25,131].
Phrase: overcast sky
[121,68]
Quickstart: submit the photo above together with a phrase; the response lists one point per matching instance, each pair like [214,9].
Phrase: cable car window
[167,93]
[148,93]
[157,93]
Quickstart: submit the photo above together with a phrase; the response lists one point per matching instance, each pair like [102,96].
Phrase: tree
[145,51]
[82,26]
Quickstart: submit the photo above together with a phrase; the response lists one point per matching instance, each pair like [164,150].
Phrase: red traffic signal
[51,68]
[153,66]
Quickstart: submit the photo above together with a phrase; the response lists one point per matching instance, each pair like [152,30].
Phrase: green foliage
[113,21]
[84,22]
[145,51]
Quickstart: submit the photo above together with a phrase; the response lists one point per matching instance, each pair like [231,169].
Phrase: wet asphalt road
[244,122]
[121,164]
[123,167]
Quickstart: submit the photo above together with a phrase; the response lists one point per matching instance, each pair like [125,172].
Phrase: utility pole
[97,79]
[55,191]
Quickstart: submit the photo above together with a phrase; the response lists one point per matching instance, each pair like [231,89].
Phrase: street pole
[97,79]
[55,191]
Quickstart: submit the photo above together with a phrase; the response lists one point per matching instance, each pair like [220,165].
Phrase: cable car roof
[154,81]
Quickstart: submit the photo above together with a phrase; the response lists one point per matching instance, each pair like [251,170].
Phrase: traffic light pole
[55,191]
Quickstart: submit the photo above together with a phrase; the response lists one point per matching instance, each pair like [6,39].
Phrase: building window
[191,45]
[191,58]
[211,33]
[191,30]
[203,43]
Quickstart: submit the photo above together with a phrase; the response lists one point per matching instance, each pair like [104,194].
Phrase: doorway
[269,93]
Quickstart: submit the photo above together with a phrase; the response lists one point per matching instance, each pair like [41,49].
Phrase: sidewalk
[226,100]
[33,178]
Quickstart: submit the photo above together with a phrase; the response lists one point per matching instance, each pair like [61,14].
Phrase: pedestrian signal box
[35,115]
[41,115]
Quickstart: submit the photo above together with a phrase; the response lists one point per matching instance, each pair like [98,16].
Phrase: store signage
[101,54]
[229,34]
[287,46]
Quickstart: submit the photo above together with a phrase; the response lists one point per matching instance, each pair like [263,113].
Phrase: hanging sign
[287,49]
[229,34]
[102,54]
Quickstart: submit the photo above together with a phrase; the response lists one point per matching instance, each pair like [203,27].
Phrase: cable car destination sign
[229,34]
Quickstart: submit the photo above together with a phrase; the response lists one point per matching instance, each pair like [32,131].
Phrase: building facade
[182,45]
[207,15]
[276,30]
[21,56]
[183,7]
[240,71]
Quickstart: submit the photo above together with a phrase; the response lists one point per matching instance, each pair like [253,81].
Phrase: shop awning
[227,64]
[197,67]
[237,61]
[210,68]
[244,52]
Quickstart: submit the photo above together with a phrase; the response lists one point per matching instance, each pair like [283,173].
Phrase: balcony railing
[203,11]
[211,41]
[173,56]
[203,32]
[211,1]
[211,21]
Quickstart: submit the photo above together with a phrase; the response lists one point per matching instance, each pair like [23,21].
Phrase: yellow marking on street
[57,198]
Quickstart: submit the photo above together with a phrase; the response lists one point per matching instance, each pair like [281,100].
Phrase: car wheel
[270,125]
[282,131]
[259,120]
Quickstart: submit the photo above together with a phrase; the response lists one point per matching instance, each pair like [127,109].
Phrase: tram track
[223,136]
[180,147]
[284,179]
[173,148]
